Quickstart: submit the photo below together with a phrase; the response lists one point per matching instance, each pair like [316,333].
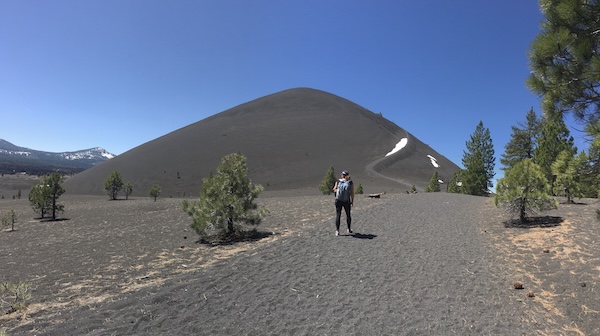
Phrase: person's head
[345,174]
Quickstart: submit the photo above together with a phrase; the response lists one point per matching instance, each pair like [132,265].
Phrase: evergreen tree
[39,198]
[522,142]
[474,181]
[554,138]
[524,190]
[480,145]
[127,189]
[434,183]
[328,183]
[227,198]
[155,191]
[455,184]
[44,195]
[113,184]
[564,58]
[359,189]
[566,175]
[589,169]
[54,181]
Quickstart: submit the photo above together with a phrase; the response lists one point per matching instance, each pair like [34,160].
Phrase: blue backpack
[344,189]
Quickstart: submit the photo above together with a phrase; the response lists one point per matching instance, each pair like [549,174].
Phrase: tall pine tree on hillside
[479,147]
[554,138]
[522,142]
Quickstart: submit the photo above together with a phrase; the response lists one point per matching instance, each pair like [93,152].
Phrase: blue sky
[118,73]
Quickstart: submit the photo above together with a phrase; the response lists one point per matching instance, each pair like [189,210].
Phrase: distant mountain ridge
[16,159]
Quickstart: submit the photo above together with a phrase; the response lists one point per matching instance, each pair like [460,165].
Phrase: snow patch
[398,147]
[433,161]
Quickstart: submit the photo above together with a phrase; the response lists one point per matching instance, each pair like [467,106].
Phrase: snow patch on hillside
[433,161]
[398,147]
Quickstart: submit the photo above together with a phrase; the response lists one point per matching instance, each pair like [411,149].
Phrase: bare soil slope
[290,139]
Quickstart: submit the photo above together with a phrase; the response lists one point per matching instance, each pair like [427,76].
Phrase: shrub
[523,190]
[226,199]
[113,184]
[328,183]
[14,295]
[155,191]
[9,220]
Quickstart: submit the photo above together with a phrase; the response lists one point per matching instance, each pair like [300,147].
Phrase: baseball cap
[345,172]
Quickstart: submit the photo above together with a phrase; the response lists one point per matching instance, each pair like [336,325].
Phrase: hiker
[344,198]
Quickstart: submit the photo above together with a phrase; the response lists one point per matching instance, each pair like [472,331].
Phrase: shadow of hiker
[364,236]
[535,222]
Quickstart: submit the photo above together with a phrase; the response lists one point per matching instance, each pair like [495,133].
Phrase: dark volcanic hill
[290,139]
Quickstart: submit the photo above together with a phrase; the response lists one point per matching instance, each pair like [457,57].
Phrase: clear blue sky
[118,73]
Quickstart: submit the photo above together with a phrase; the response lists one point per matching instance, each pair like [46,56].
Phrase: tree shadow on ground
[535,222]
[47,220]
[236,237]
[363,236]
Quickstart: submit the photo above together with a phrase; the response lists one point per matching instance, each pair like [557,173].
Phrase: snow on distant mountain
[20,159]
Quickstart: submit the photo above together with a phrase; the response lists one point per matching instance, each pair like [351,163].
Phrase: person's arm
[335,187]
[352,194]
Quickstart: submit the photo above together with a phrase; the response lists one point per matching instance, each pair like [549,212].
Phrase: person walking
[344,198]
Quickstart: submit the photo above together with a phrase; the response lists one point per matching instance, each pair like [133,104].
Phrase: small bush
[14,295]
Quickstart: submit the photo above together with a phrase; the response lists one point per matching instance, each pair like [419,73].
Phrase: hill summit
[290,139]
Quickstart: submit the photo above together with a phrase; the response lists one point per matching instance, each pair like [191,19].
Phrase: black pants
[338,213]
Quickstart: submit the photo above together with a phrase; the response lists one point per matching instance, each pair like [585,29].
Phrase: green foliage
[359,189]
[522,142]
[14,295]
[455,184]
[564,58]
[155,191]
[127,189]
[413,189]
[39,198]
[113,184]
[328,183]
[474,181]
[10,219]
[566,175]
[524,190]
[44,195]
[226,199]
[434,183]
[554,138]
[480,150]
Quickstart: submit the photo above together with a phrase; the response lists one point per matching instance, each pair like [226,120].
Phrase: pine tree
[44,195]
[434,183]
[155,191]
[524,190]
[226,199]
[554,138]
[328,183]
[127,189]
[522,142]
[564,58]
[564,169]
[113,184]
[455,184]
[474,181]
[479,145]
